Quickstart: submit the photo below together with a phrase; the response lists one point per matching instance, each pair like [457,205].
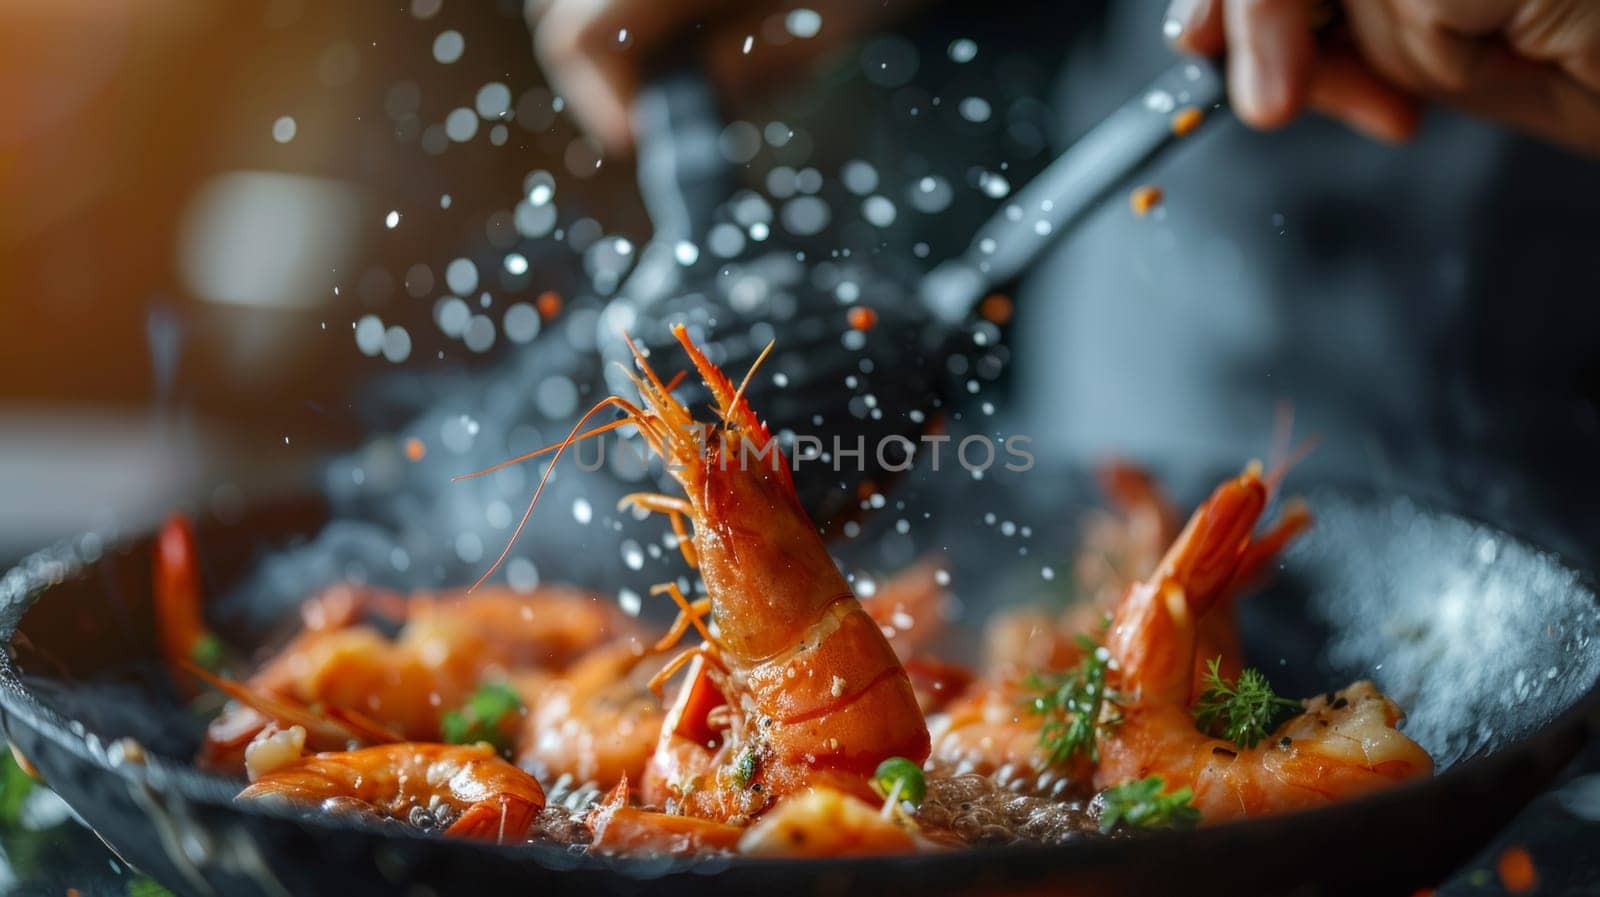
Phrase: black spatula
[875,381]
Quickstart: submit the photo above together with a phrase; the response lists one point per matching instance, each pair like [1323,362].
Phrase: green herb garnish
[140,886]
[1074,705]
[902,779]
[744,769]
[483,717]
[1140,804]
[1244,712]
[207,652]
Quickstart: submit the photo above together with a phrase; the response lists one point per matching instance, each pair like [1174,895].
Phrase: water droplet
[479,336]
[749,42]
[975,109]
[369,335]
[521,323]
[963,51]
[396,344]
[461,276]
[878,211]
[284,129]
[739,142]
[392,220]
[461,124]
[632,555]
[686,253]
[803,23]
[522,575]
[629,601]
[582,511]
[859,177]
[449,46]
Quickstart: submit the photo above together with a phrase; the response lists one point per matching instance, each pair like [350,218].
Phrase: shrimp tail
[498,819]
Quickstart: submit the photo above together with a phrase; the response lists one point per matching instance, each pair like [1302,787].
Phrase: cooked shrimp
[1332,750]
[794,683]
[823,822]
[617,827]
[464,790]
[598,721]
[449,645]
[990,729]
[177,599]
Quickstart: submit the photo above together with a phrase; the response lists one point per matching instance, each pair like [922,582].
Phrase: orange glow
[996,308]
[1145,198]
[1516,870]
[863,318]
[1185,120]
[415,450]
[549,304]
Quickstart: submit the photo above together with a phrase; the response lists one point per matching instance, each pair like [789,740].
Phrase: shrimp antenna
[628,408]
[526,456]
[1284,454]
[738,394]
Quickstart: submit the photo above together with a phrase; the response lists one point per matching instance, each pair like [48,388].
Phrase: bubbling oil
[976,810]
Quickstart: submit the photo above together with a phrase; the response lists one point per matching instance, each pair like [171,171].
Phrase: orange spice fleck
[1516,870]
[1145,198]
[863,318]
[549,303]
[1185,120]
[415,449]
[996,308]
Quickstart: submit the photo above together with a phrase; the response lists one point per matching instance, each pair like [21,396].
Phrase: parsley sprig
[484,717]
[1243,712]
[1074,704]
[1140,804]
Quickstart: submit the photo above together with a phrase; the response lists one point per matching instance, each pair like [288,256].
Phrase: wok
[1490,645]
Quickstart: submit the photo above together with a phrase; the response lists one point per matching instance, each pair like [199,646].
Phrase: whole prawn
[464,790]
[794,683]
[989,730]
[1338,747]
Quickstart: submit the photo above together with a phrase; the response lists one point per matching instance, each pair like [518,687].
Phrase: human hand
[597,52]
[1532,64]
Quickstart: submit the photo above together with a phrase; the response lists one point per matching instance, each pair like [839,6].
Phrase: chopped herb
[483,717]
[1244,712]
[141,886]
[900,776]
[744,769]
[206,652]
[1074,705]
[1140,804]
[15,785]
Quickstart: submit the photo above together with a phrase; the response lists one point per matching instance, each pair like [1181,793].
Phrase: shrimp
[1338,747]
[449,646]
[597,722]
[464,790]
[793,682]
[617,827]
[823,822]
[176,597]
[990,731]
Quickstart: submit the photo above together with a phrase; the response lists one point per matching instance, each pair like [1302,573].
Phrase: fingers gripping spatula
[875,382]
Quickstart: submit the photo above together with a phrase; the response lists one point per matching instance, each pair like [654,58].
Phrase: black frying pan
[1491,645]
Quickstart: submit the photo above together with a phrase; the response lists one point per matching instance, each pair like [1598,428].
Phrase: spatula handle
[1033,218]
